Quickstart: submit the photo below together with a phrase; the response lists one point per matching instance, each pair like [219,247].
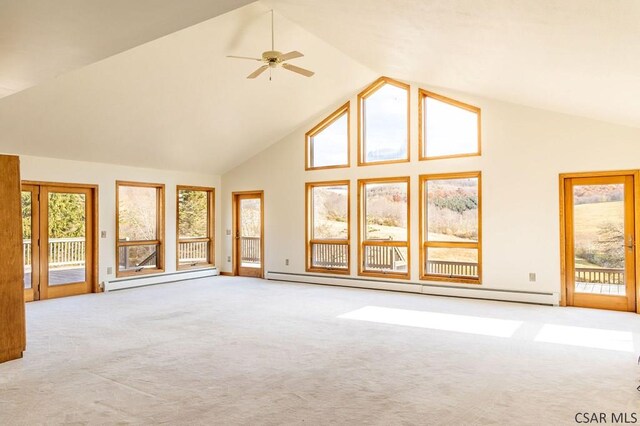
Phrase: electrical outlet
[109,270]
[103,234]
[286,262]
[532,277]
[228,258]
[228,231]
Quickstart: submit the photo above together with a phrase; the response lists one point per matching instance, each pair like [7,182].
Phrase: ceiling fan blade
[291,55]
[298,70]
[244,57]
[258,71]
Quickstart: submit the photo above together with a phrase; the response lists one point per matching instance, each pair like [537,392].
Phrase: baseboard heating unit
[475,292]
[131,282]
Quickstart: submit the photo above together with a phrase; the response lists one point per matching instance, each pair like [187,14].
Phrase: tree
[193,206]
[66,215]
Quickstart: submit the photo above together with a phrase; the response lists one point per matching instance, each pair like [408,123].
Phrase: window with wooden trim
[383,227]
[327,144]
[139,228]
[448,128]
[195,226]
[328,226]
[451,227]
[383,123]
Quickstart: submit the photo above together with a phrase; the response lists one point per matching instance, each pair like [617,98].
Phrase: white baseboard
[131,282]
[473,292]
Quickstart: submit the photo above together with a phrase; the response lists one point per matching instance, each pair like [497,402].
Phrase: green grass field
[588,218]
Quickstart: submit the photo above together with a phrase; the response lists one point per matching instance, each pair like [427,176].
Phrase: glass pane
[137,213]
[598,221]
[452,209]
[330,256]
[385,124]
[330,208]
[26,237]
[67,238]
[137,258]
[448,129]
[330,147]
[193,253]
[452,262]
[385,259]
[193,214]
[250,231]
[385,206]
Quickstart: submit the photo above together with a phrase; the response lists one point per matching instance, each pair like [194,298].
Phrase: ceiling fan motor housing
[271,56]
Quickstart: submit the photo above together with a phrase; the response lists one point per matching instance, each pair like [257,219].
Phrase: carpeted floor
[229,350]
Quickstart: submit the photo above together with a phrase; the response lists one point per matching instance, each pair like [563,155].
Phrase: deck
[60,276]
[596,288]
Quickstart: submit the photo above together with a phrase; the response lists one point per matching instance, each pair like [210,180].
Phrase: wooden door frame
[94,231]
[563,177]
[234,219]
[32,294]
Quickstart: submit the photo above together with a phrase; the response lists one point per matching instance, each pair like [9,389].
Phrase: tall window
[140,228]
[327,144]
[383,123]
[195,226]
[448,128]
[328,227]
[383,230]
[451,227]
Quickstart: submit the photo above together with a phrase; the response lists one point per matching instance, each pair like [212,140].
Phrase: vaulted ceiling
[42,39]
[146,82]
[177,102]
[580,57]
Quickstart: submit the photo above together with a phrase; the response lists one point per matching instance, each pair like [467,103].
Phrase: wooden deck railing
[600,275]
[62,252]
[71,252]
[193,251]
[459,269]
[330,256]
[384,258]
[250,249]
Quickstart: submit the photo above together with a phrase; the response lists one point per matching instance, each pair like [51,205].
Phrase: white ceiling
[178,103]
[580,57]
[41,39]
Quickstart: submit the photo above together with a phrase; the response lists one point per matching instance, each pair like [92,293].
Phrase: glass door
[248,235]
[600,242]
[58,240]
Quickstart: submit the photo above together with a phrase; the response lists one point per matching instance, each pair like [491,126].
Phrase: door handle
[630,244]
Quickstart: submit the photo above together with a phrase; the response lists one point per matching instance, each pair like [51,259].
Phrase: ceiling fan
[272,59]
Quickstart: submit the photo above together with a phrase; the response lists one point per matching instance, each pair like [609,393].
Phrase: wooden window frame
[361,230]
[160,231]
[309,186]
[362,96]
[332,118]
[424,243]
[210,238]
[422,137]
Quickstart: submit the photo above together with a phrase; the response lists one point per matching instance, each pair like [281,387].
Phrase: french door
[59,240]
[599,241]
[248,234]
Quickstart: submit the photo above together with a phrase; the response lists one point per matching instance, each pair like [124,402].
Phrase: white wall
[105,175]
[523,151]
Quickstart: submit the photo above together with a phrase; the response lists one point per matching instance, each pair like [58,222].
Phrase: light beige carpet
[228,350]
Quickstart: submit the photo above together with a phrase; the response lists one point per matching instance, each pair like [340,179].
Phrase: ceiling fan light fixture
[273,58]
